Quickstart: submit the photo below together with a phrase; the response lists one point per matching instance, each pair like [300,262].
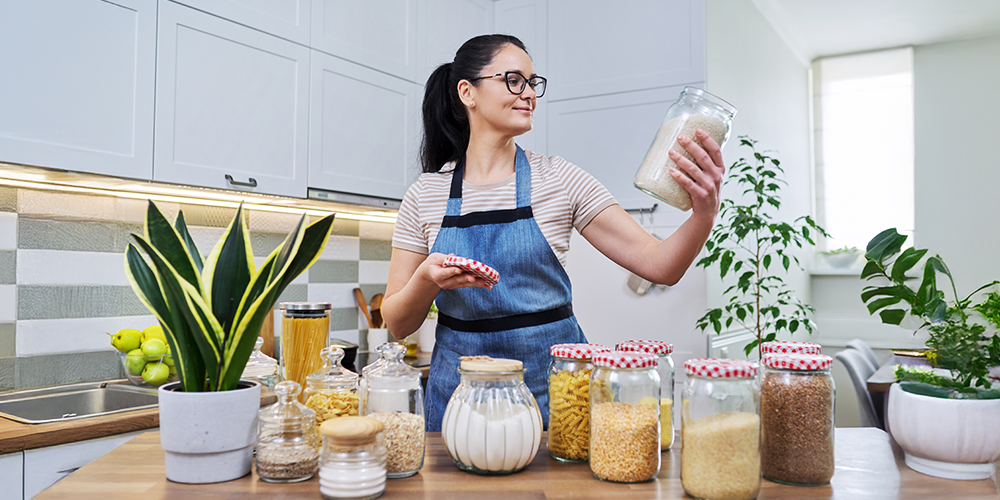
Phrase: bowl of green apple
[145,356]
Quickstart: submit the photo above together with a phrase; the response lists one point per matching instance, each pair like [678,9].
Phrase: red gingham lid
[720,368]
[791,348]
[618,359]
[798,361]
[650,346]
[487,273]
[577,351]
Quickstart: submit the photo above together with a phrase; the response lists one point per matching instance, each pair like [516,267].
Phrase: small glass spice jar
[720,429]
[305,331]
[624,417]
[569,400]
[665,368]
[353,459]
[261,367]
[796,398]
[778,347]
[492,424]
[333,390]
[287,442]
[393,396]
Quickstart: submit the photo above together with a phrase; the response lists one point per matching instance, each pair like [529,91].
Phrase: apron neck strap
[522,171]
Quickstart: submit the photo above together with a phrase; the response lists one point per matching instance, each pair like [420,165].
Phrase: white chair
[866,350]
[860,369]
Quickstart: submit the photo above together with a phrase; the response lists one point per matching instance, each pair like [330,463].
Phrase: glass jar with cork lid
[665,368]
[569,400]
[287,442]
[393,396]
[353,459]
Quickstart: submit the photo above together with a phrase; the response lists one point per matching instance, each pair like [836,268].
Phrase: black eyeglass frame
[525,82]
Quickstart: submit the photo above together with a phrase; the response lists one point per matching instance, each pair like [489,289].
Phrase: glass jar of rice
[694,109]
[720,430]
[569,400]
[624,417]
[665,368]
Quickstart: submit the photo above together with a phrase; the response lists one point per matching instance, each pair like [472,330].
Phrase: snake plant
[212,310]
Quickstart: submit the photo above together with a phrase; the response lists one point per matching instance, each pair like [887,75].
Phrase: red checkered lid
[720,368]
[478,269]
[618,359]
[791,348]
[577,351]
[650,346]
[798,361]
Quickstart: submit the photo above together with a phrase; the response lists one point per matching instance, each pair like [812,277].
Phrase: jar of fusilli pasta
[333,390]
[569,400]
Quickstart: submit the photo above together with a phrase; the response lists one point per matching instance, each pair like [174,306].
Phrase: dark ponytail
[446,124]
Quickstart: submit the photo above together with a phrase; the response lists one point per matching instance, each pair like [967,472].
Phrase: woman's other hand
[704,179]
[448,277]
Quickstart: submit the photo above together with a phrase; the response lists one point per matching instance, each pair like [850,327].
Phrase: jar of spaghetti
[778,347]
[333,390]
[665,368]
[694,109]
[393,396]
[305,330]
[569,400]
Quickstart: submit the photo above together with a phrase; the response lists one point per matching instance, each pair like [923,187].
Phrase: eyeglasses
[516,82]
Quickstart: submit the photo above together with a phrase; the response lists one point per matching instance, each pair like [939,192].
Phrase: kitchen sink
[75,401]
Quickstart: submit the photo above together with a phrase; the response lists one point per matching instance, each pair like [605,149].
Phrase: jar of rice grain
[624,417]
[720,429]
[569,400]
[665,368]
[694,109]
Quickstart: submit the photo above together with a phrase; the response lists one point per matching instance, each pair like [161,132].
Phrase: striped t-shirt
[563,196]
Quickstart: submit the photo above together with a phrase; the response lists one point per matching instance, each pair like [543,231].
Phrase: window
[863,136]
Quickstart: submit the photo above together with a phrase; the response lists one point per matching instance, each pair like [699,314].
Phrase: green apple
[169,360]
[156,373]
[126,339]
[153,349]
[135,362]
[154,332]
[173,370]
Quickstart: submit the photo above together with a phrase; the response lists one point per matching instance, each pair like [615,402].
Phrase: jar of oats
[665,368]
[624,417]
[569,400]
[720,429]
[393,396]
[694,109]
[796,398]
[287,441]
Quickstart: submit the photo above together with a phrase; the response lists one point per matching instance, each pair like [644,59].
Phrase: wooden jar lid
[351,431]
[488,364]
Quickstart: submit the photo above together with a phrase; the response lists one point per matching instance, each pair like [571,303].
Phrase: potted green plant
[751,242]
[946,425]
[211,311]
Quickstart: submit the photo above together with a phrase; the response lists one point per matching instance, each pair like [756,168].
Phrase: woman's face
[491,101]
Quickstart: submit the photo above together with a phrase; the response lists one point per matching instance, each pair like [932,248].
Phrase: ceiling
[815,28]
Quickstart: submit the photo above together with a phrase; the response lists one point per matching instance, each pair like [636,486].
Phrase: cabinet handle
[252,183]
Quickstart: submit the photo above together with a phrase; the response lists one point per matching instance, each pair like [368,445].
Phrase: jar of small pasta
[665,368]
[393,396]
[353,459]
[333,390]
[569,400]
[624,417]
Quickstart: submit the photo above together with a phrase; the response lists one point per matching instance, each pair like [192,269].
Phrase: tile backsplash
[63,284]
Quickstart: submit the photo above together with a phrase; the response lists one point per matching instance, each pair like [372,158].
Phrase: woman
[482,197]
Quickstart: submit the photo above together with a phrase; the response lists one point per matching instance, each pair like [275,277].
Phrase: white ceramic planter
[208,437]
[949,438]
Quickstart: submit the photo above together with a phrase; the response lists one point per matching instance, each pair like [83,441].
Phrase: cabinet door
[527,20]
[363,130]
[380,35]
[12,476]
[44,466]
[608,136]
[289,19]
[444,26]
[77,90]
[231,105]
[640,44]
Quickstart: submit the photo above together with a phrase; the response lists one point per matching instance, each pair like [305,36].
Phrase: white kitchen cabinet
[232,105]
[528,21]
[44,466]
[12,476]
[364,129]
[77,85]
[288,19]
[381,35]
[638,44]
[444,26]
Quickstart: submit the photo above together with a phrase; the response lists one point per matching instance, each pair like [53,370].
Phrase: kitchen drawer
[44,466]
[12,476]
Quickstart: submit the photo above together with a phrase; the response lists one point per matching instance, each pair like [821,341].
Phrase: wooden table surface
[868,467]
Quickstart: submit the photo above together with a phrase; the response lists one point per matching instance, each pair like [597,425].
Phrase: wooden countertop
[868,467]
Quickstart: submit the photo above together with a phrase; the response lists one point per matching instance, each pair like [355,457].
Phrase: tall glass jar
[394,397]
[333,390]
[569,400]
[261,367]
[492,424]
[720,430]
[624,417]
[305,330]
[796,398]
[778,347]
[694,109]
[353,459]
[287,442]
[665,368]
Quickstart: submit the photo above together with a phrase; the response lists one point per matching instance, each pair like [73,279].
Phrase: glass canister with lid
[393,396]
[781,347]
[261,367]
[305,331]
[569,400]
[353,459]
[720,429]
[796,398]
[694,109]
[492,424]
[333,390]
[624,417]
[665,368]
[287,442]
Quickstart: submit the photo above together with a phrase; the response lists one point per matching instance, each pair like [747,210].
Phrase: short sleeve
[587,196]
[408,233]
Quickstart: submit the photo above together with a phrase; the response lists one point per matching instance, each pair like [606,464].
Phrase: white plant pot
[208,437]
[948,438]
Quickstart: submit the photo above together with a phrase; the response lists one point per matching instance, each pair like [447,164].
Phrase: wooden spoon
[377,310]
[363,305]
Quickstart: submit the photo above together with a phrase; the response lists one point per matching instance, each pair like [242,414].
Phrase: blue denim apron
[521,317]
